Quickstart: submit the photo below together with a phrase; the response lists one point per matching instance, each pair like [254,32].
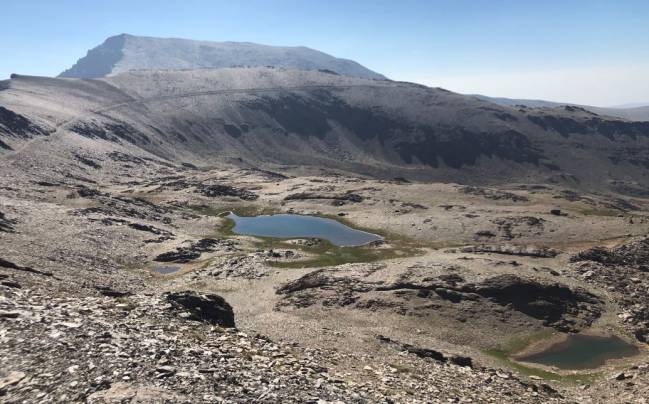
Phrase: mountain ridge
[258,117]
[638,112]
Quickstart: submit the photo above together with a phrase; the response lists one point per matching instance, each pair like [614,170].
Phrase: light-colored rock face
[125,53]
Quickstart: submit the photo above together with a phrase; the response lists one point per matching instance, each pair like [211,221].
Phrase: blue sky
[594,52]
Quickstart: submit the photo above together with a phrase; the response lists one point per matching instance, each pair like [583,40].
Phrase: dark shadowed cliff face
[382,128]
[457,148]
[18,126]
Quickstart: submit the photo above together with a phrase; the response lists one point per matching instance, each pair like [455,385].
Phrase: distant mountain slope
[634,113]
[123,53]
[262,117]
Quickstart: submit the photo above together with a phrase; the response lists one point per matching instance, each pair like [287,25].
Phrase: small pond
[582,352]
[166,269]
[297,226]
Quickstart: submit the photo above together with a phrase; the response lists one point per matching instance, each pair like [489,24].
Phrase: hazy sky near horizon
[592,52]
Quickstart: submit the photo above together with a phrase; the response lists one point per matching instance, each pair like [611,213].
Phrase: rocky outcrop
[5,146]
[189,253]
[557,305]
[18,126]
[428,353]
[90,193]
[208,308]
[624,269]
[338,199]
[6,224]
[514,227]
[10,265]
[122,206]
[325,287]
[87,161]
[635,253]
[493,194]
[215,190]
[415,292]
[158,356]
[523,251]
[150,229]
[110,131]
[110,292]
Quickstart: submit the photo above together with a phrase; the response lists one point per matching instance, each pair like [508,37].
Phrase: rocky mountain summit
[123,53]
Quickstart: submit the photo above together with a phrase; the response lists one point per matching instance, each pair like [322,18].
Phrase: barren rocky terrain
[463,271]
[503,227]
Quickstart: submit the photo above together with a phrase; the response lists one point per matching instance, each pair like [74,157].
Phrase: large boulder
[209,308]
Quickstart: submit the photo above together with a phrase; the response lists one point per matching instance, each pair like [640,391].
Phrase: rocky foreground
[150,348]
[84,317]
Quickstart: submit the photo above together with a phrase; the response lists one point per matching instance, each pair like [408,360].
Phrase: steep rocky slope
[262,116]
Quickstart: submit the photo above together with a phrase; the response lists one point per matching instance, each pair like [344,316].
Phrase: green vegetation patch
[600,212]
[322,253]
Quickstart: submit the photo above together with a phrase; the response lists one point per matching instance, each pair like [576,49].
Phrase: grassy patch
[327,254]
[504,355]
[599,212]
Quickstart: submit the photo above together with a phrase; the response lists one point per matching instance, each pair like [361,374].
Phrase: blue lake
[298,226]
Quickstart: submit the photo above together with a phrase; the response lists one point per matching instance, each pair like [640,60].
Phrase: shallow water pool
[580,351]
[166,269]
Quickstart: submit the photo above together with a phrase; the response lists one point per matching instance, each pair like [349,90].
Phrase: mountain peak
[125,52]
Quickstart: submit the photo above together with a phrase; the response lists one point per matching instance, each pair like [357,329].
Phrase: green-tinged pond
[578,352]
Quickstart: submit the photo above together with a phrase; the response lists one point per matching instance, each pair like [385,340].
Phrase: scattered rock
[8,379]
[529,251]
[622,376]
[493,194]
[107,291]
